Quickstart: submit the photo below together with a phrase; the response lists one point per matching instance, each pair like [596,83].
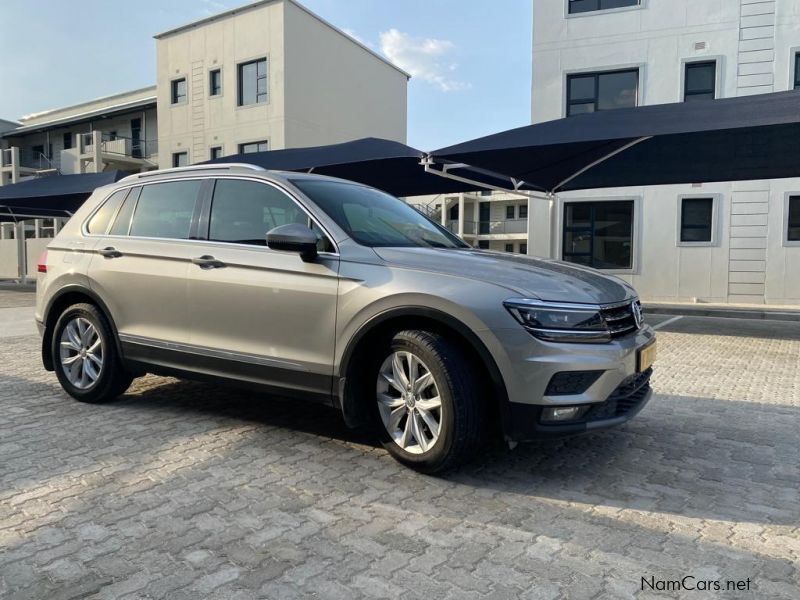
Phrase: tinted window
[165,210]
[580,6]
[509,212]
[696,217]
[178,91]
[523,211]
[122,222]
[215,82]
[374,218]
[101,219]
[700,81]
[793,233]
[599,234]
[244,211]
[590,92]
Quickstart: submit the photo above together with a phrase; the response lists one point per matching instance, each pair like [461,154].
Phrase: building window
[483,244]
[180,159]
[793,229]
[582,6]
[700,81]
[178,91]
[510,212]
[590,92]
[486,192]
[67,141]
[215,82]
[523,248]
[38,150]
[509,247]
[797,71]
[251,147]
[454,213]
[599,234]
[253,82]
[697,215]
[215,152]
[523,211]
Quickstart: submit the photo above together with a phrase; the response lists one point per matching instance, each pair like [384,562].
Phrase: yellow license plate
[647,356]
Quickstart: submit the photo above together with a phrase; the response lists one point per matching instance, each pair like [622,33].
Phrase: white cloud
[424,58]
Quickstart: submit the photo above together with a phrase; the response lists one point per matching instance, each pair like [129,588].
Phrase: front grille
[620,319]
[628,396]
[567,383]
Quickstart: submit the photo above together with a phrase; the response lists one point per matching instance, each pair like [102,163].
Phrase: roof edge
[84,103]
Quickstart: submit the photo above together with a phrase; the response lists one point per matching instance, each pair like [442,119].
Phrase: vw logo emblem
[636,309]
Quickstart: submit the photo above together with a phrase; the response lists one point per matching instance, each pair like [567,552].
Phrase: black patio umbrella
[51,196]
[744,138]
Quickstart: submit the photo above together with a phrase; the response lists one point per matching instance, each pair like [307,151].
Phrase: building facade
[721,242]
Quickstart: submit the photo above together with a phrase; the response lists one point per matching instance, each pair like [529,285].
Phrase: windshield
[374,218]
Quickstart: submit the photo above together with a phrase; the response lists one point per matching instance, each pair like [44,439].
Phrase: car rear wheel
[427,402]
[85,356]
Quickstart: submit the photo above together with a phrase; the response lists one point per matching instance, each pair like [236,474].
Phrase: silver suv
[323,289]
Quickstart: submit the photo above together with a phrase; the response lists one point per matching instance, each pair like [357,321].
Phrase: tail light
[41,266]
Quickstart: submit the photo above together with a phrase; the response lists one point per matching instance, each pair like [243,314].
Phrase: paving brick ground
[181,490]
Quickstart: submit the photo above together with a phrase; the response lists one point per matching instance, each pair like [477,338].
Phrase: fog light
[563,413]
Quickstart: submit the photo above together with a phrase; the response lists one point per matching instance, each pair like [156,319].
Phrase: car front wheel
[427,402]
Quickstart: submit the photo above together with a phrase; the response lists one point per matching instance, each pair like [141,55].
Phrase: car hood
[550,280]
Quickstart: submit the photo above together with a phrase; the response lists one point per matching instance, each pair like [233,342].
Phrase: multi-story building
[269,75]
[722,242]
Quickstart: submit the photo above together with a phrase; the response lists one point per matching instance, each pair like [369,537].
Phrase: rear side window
[165,210]
[122,222]
[99,222]
[242,212]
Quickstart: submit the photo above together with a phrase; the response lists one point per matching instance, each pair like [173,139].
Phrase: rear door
[255,313]
[140,266]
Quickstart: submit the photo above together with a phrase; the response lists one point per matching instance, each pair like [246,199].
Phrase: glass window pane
[509,212]
[794,219]
[180,159]
[579,6]
[606,4]
[697,212]
[523,211]
[613,229]
[577,242]
[617,90]
[242,212]
[101,219]
[579,109]
[797,70]
[123,219]
[581,87]
[165,210]
[578,214]
[694,97]
[700,77]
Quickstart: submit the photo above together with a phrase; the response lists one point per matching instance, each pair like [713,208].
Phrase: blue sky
[471,57]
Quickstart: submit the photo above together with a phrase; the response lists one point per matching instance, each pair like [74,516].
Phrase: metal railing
[502,227]
[123,146]
[29,159]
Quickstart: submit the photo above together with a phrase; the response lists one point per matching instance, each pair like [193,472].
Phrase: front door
[141,262]
[255,313]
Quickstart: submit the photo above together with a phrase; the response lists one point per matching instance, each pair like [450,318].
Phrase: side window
[242,212]
[165,210]
[122,222]
[100,221]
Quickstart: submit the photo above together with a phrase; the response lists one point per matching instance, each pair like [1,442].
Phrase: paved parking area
[182,490]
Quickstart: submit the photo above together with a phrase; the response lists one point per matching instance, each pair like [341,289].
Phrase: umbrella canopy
[55,195]
[752,137]
[384,164]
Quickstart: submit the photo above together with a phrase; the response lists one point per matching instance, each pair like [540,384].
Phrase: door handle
[110,252]
[208,262]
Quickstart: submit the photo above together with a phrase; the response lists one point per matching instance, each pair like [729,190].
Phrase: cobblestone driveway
[181,490]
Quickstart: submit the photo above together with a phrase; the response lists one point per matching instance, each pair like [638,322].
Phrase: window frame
[175,155]
[636,234]
[794,64]
[513,211]
[686,63]
[211,73]
[522,208]
[211,149]
[785,220]
[596,72]
[241,145]
[172,90]
[715,221]
[571,15]
[240,82]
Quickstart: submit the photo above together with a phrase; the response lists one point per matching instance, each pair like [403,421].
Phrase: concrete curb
[766,314]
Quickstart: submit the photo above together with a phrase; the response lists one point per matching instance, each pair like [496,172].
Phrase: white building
[727,242]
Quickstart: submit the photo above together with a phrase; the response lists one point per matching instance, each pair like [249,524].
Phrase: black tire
[461,408]
[113,379]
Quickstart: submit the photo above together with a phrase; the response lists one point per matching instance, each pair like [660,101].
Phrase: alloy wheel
[81,353]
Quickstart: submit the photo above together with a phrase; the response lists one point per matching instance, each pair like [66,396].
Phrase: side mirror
[294,237]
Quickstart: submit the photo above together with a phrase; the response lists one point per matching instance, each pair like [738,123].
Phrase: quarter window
[599,234]
[590,92]
[700,81]
[696,219]
[165,210]
[178,91]
[215,82]
[253,82]
[793,231]
[102,218]
[582,6]
[250,147]
[122,222]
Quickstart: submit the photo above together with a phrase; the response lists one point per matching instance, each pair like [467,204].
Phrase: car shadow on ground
[695,457]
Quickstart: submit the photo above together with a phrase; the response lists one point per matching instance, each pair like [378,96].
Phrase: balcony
[116,151]
[507,227]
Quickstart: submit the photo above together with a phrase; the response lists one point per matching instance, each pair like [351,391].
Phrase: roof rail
[215,167]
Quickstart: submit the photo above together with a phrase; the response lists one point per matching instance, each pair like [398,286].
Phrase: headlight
[560,322]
